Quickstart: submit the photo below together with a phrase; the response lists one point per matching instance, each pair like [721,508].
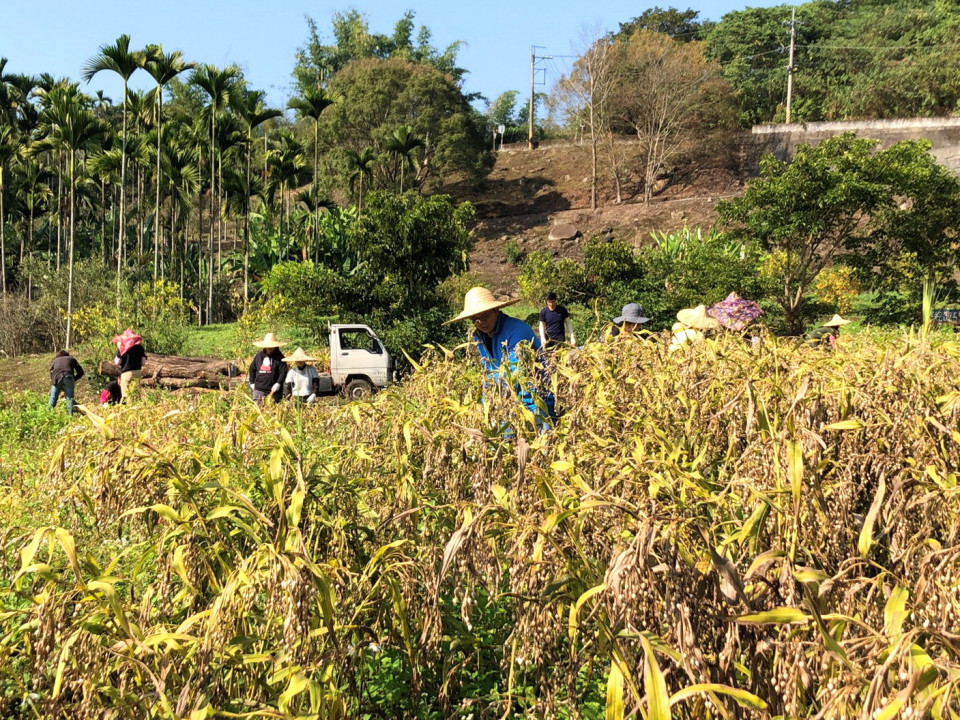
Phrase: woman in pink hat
[130,357]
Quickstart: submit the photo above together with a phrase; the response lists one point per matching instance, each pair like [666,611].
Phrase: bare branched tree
[663,88]
[586,93]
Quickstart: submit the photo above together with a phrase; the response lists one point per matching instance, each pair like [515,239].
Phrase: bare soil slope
[529,191]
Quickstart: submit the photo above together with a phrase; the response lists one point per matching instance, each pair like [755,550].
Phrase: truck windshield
[359,340]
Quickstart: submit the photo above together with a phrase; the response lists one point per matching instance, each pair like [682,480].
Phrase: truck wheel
[358,389]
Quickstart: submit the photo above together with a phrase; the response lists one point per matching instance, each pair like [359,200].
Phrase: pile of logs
[174,372]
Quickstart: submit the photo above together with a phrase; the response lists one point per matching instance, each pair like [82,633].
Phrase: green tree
[377,96]
[317,63]
[682,25]
[387,272]
[923,219]
[806,210]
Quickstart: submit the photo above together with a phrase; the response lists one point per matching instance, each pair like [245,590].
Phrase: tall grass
[724,532]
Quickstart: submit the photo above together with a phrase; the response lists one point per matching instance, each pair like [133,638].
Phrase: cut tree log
[174,372]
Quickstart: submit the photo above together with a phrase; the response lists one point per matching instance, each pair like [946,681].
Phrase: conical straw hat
[836,321]
[298,356]
[477,301]
[697,318]
[269,341]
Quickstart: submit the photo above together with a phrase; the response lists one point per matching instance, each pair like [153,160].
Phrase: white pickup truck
[359,363]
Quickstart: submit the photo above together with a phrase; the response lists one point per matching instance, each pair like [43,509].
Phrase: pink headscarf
[126,341]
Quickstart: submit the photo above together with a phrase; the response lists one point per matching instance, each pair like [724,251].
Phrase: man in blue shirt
[498,337]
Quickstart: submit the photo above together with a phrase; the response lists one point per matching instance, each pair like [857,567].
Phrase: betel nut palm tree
[220,87]
[70,123]
[312,105]
[123,61]
[162,67]
[360,165]
[252,110]
[402,143]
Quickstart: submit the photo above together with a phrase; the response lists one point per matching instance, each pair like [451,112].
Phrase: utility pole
[533,73]
[793,35]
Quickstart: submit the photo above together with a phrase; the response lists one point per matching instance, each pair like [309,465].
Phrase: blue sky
[59,36]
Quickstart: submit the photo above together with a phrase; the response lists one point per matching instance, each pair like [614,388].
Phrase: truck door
[361,353]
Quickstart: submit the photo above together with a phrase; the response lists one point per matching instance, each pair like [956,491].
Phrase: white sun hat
[269,341]
[298,355]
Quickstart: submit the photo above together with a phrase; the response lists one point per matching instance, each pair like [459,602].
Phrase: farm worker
[110,395]
[630,319]
[691,326]
[130,357]
[555,324]
[267,370]
[498,338]
[825,336]
[300,376]
[64,372]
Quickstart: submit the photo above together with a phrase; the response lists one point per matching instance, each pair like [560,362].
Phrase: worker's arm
[568,330]
[543,333]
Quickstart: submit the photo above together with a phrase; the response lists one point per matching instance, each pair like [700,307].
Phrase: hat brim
[262,344]
[837,323]
[697,321]
[636,321]
[295,358]
[473,312]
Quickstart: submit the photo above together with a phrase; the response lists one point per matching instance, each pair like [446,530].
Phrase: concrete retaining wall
[782,140]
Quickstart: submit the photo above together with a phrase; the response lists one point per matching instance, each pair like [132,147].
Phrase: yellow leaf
[777,616]
[614,692]
[654,684]
[866,533]
[742,697]
[853,424]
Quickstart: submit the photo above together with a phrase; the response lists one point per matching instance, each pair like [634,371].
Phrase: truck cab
[359,362]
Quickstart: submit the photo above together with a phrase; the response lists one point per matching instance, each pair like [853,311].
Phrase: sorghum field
[725,532]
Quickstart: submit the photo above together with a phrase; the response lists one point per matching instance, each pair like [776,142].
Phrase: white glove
[275,389]
[251,387]
[312,398]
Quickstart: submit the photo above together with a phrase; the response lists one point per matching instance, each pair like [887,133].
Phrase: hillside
[529,191]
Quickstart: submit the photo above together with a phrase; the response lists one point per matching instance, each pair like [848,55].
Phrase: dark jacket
[264,375]
[132,359]
[63,366]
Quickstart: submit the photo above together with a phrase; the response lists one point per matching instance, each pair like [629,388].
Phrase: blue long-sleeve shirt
[499,352]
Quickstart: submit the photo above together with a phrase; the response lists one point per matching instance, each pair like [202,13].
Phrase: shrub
[19,331]
[607,262]
[540,273]
[514,252]
[837,288]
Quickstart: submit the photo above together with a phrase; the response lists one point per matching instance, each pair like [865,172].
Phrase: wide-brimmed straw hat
[298,355]
[269,341]
[697,318]
[631,313]
[836,321]
[477,301]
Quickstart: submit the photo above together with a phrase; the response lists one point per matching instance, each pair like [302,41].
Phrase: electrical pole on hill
[533,73]
[793,35]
